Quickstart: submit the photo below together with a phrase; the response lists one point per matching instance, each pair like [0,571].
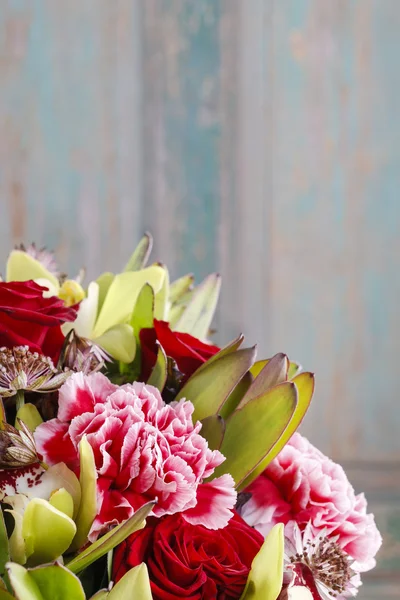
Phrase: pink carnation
[303,485]
[144,450]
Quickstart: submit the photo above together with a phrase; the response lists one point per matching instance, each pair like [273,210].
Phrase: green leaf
[199,313]
[135,585]
[47,531]
[213,430]
[104,282]
[294,369]
[111,539]
[23,267]
[273,373]
[119,341]
[158,376]
[4,546]
[48,582]
[100,595]
[228,349]
[180,287]
[4,595]
[29,414]
[143,312]
[266,574]
[88,506]
[122,295]
[175,313]
[209,387]
[305,389]
[255,429]
[161,302]
[236,396]
[141,254]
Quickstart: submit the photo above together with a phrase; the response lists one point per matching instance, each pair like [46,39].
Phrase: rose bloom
[190,561]
[188,352]
[29,319]
[144,450]
[303,485]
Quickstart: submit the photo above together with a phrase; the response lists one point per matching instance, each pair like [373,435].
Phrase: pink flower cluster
[302,485]
[144,450]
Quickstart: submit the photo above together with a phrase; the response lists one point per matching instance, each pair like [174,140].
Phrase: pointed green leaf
[213,430]
[305,389]
[273,373]
[22,583]
[141,254]
[180,287]
[236,396]
[266,574]
[47,531]
[209,387]
[122,295]
[228,349]
[119,341]
[161,301]
[135,585]
[88,506]
[29,414]
[4,546]
[110,540]
[22,267]
[255,429]
[143,312]
[4,595]
[104,282]
[294,369]
[158,376]
[199,313]
[175,313]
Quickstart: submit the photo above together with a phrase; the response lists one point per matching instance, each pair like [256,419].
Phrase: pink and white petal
[80,393]
[55,445]
[114,508]
[215,501]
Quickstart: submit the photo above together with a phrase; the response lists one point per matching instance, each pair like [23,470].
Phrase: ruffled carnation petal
[215,501]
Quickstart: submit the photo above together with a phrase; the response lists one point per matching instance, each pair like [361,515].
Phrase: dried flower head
[21,369]
[44,256]
[81,354]
[318,563]
[17,446]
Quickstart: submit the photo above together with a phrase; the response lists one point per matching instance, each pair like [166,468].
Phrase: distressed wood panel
[259,138]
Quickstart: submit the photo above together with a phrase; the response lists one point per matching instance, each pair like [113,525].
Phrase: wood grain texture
[256,138]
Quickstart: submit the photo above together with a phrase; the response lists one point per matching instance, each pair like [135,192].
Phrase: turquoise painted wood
[257,138]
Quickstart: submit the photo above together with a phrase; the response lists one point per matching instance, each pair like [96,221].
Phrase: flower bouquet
[138,460]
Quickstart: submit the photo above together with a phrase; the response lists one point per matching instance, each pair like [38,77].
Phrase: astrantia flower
[17,447]
[21,369]
[81,354]
[303,485]
[144,450]
[318,563]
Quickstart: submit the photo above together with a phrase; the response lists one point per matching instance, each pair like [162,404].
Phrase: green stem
[19,399]
[2,413]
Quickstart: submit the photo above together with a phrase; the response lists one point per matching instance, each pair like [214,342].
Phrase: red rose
[190,561]
[188,352]
[29,319]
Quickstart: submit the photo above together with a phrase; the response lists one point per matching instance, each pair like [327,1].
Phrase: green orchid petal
[135,585]
[119,341]
[88,506]
[122,295]
[17,548]
[4,545]
[87,314]
[266,574]
[62,501]
[28,414]
[161,301]
[47,531]
[104,282]
[48,582]
[23,267]
[196,319]
[56,477]
[143,312]
[158,376]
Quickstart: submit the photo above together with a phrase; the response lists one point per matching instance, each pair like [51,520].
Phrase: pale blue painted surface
[258,138]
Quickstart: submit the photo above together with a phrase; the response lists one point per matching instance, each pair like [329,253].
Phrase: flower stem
[19,399]
[2,414]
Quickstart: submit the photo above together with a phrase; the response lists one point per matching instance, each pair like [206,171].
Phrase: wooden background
[259,138]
